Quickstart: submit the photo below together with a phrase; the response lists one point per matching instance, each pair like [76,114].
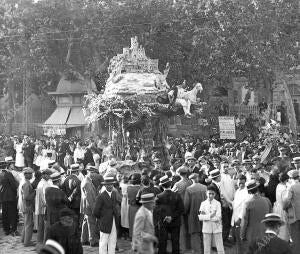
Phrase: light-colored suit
[294,199]
[143,223]
[88,199]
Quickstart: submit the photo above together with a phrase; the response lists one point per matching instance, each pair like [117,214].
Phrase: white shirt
[109,193]
[214,224]
[238,204]
[227,187]
[78,154]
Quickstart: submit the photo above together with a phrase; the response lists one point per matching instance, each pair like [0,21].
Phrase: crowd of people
[209,195]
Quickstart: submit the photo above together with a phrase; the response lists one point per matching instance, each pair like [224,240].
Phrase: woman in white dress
[20,162]
[281,192]
[124,205]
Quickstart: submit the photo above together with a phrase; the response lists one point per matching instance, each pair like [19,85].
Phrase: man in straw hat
[40,204]
[55,198]
[270,243]
[168,211]
[293,202]
[88,199]
[255,210]
[143,222]
[26,205]
[107,212]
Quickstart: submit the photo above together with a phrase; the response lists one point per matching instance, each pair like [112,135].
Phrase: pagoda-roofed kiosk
[68,117]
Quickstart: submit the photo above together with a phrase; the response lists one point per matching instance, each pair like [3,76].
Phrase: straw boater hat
[163,180]
[246,161]
[109,180]
[52,247]
[91,168]
[294,173]
[214,173]
[252,185]
[296,160]
[9,160]
[55,177]
[292,145]
[272,217]
[146,198]
[193,176]
[74,167]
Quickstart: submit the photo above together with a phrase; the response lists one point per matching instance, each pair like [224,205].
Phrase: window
[64,100]
[77,99]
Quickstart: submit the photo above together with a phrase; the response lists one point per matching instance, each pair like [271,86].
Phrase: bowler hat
[214,173]
[251,185]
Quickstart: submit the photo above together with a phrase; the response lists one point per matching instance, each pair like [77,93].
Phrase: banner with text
[227,127]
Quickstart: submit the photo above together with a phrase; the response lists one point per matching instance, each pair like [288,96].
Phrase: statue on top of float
[133,72]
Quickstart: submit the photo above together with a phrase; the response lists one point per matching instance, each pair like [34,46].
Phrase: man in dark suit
[106,211]
[8,200]
[270,243]
[28,148]
[56,200]
[71,187]
[167,215]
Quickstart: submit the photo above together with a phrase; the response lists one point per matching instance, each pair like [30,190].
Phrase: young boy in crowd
[211,215]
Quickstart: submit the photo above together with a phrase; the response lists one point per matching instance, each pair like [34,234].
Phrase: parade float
[135,104]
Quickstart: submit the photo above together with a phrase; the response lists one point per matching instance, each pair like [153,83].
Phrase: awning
[76,118]
[59,117]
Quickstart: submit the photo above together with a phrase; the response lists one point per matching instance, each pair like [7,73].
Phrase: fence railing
[243,110]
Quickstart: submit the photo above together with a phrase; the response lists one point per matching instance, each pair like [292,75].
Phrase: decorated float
[136,103]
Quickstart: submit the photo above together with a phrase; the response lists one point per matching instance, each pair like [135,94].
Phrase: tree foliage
[208,41]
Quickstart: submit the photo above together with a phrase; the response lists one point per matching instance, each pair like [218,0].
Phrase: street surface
[12,245]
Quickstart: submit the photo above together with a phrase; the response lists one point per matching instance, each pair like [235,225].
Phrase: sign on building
[227,127]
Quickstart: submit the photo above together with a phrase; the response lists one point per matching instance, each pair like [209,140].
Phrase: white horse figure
[187,98]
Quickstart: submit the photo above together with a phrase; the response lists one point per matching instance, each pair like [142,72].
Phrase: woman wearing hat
[270,243]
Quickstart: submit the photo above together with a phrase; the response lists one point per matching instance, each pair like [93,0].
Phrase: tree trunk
[280,77]
[11,103]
